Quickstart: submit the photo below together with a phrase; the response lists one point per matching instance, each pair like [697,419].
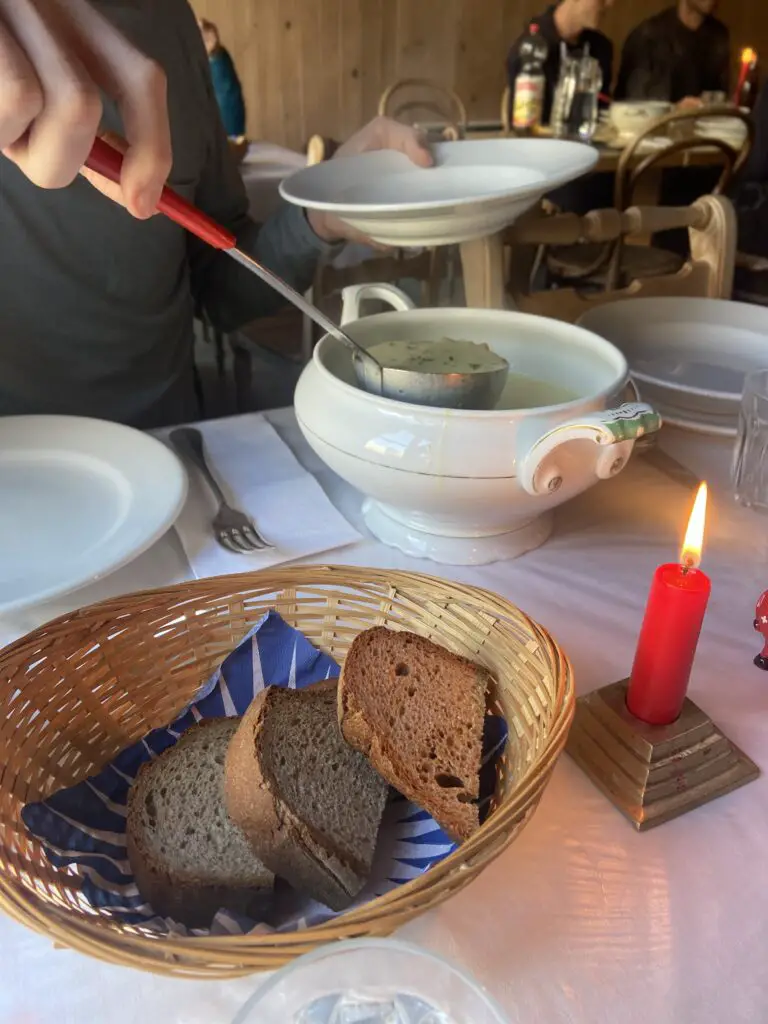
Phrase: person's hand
[55,57]
[691,103]
[381,133]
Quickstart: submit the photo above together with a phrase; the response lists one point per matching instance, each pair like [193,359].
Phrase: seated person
[676,55]
[575,23]
[226,84]
[749,194]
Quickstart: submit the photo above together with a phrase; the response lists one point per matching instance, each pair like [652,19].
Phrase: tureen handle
[352,296]
[615,430]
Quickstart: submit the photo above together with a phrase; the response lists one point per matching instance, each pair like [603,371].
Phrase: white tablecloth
[582,919]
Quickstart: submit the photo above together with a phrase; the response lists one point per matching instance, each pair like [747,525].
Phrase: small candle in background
[670,632]
[745,94]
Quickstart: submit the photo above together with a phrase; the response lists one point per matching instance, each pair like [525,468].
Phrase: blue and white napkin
[82,828]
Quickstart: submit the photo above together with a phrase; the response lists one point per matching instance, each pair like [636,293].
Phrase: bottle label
[529,101]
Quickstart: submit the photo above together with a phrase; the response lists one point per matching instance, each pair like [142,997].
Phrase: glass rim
[756,383]
[354,945]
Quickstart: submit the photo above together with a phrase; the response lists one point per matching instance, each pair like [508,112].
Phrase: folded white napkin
[261,477]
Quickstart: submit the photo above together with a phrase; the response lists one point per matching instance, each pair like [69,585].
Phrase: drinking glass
[582,116]
[370,981]
[750,461]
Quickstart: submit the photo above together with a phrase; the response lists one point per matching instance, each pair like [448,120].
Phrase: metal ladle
[479,389]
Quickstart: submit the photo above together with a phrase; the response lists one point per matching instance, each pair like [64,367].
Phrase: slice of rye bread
[188,858]
[417,712]
[309,804]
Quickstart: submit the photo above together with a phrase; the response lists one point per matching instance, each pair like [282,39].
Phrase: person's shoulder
[717,27]
[599,42]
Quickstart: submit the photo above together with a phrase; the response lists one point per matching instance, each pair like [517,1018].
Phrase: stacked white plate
[475,188]
[727,129]
[688,357]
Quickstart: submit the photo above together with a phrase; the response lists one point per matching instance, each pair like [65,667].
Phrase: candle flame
[748,56]
[690,556]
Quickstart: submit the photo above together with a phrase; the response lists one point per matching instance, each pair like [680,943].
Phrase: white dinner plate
[476,188]
[79,499]
[693,353]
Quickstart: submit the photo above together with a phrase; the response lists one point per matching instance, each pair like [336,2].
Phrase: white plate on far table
[690,355]
[476,188]
[79,499]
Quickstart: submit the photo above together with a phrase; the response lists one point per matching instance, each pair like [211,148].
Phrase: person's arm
[230,294]
[606,66]
[632,56]
[722,63]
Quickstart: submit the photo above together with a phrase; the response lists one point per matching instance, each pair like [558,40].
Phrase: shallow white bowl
[633,116]
[476,188]
[689,354]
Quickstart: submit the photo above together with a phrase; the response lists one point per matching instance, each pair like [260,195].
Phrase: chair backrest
[711,223]
[319,149]
[506,110]
[424,267]
[679,126]
[414,100]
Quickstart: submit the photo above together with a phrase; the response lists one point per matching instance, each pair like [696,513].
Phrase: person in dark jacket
[575,23]
[226,84]
[676,55]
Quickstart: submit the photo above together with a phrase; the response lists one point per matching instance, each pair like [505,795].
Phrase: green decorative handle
[615,429]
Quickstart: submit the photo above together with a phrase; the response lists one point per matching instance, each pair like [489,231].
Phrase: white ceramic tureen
[464,487]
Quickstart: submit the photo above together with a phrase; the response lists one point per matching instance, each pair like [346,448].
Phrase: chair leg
[243,373]
[219,341]
[198,385]
[307,331]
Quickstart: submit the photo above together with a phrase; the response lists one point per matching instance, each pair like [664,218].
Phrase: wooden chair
[710,221]
[319,149]
[506,111]
[616,264]
[238,147]
[424,267]
[415,100]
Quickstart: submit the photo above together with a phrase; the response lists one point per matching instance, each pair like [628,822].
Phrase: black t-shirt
[600,47]
[664,60]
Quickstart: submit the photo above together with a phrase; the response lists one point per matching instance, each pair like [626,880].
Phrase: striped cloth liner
[82,828]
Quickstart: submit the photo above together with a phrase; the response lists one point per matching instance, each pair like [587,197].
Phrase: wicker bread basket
[79,690]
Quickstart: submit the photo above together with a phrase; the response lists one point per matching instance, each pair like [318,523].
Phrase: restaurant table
[582,919]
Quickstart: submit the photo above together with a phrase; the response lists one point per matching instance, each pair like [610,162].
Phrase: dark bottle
[530,84]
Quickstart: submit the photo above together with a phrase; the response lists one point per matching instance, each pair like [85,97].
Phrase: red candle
[671,628]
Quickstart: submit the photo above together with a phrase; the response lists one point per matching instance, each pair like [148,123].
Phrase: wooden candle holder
[654,773]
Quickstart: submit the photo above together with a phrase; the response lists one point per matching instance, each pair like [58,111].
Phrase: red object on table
[671,627]
[667,645]
[108,161]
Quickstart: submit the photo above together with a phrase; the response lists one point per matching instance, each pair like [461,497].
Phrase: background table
[582,920]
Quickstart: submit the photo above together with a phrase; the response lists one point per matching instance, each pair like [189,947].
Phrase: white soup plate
[80,498]
[476,188]
[688,356]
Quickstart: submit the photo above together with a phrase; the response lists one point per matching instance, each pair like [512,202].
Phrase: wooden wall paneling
[326,72]
[351,49]
[480,77]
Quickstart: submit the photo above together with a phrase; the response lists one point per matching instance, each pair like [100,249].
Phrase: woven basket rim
[124,945]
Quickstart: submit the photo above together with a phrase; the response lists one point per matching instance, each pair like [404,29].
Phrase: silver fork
[233,529]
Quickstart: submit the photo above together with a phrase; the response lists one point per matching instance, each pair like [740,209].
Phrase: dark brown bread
[309,804]
[188,859]
[416,711]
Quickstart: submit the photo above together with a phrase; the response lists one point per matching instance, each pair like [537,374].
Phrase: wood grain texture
[319,66]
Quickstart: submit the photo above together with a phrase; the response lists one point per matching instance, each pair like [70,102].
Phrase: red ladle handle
[108,161]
